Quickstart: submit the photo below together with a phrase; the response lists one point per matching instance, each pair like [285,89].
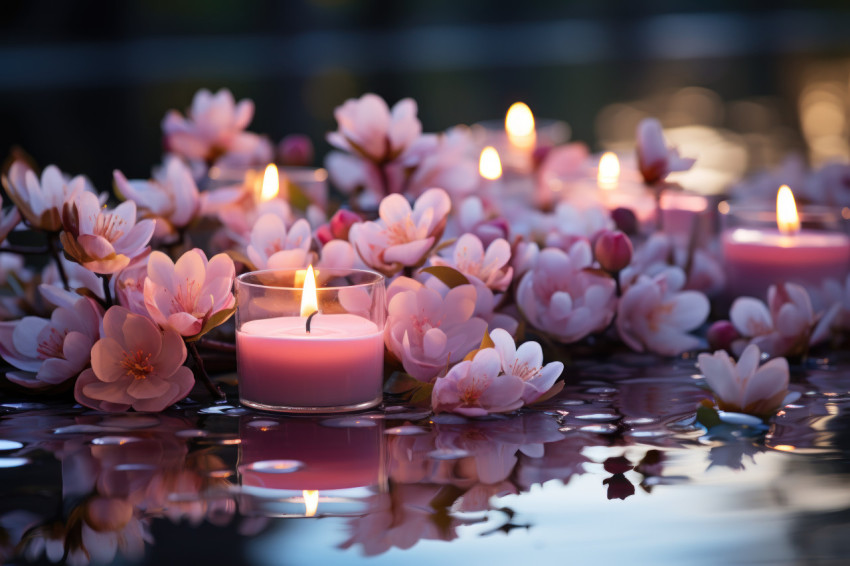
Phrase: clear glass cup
[328,363]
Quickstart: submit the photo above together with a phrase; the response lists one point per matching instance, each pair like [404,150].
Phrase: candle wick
[310,319]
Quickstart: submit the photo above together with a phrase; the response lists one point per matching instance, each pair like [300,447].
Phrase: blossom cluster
[475,273]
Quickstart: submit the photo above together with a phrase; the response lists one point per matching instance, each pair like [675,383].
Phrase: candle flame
[271,183]
[489,165]
[519,124]
[311,502]
[309,302]
[609,171]
[786,211]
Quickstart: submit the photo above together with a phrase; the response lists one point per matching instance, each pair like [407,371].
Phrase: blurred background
[739,84]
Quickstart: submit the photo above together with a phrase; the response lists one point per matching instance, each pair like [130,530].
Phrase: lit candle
[756,258]
[327,358]
[522,137]
[617,191]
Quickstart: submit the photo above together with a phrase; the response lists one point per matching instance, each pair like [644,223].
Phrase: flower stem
[201,372]
[54,251]
[107,294]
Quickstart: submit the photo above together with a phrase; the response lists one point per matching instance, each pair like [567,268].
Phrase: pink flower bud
[721,334]
[625,220]
[613,251]
[296,150]
[341,223]
[323,234]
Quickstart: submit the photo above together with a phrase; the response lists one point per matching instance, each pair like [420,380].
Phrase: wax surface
[756,259]
[341,361]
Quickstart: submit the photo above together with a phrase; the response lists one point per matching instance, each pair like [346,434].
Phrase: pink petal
[161,272]
[408,254]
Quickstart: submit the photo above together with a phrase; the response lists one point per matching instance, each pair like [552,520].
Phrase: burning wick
[310,319]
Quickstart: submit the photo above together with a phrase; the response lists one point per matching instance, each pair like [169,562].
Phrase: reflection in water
[93,488]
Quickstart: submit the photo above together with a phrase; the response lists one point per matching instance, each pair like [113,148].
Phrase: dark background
[85,84]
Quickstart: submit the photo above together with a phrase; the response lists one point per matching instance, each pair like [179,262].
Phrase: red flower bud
[341,223]
[613,251]
[296,150]
[721,334]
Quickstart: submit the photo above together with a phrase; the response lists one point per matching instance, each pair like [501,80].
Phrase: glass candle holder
[304,467]
[757,255]
[312,182]
[330,362]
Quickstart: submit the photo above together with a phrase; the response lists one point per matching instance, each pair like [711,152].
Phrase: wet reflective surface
[615,469]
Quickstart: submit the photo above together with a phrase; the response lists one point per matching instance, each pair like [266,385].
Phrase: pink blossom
[339,254]
[8,221]
[272,246]
[41,202]
[613,251]
[655,159]
[661,251]
[571,223]
[130,285]
[215,126]
[655,315]
[474,219]
[171,197]
[402,236]
[526,363]
[51,351]
[447,160]
[101,240]
[428,330]
[338,227]
[746,387]
[185,295]
[787,327]
[366,127]
[134,364]
[296,150]
[477,388]
[560,297]
[562,166]
[490,267]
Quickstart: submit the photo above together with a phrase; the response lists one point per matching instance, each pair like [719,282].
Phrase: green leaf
[217,319]
[399,383]
[707,417]
[241,258]
[297,197]
[486,342]
[422,396]
[448,275]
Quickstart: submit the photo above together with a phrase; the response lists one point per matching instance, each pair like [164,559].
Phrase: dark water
[612,471]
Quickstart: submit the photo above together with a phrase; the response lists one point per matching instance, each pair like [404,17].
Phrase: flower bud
[721,334]
[296,150]
[613,251]
[341,223]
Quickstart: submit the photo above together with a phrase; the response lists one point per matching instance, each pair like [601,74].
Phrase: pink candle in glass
[340,362]
[756,258]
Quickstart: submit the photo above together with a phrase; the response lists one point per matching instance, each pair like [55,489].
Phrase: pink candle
[756,259]
[682,213]
[339,363]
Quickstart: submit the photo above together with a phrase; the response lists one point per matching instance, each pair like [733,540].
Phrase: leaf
[217,319]
[241,258]
[707,417]
[399,383]
[596,271]
[554,390]
[448,275]
[297,197]
[422,396]
[444,244]
[486,342]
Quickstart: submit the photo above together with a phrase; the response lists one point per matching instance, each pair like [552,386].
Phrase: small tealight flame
[489,165]
[271,183]
[609,171]
[309,301]
[519,124]
[787,218]
[311,502]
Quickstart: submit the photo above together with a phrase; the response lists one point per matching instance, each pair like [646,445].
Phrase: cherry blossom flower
[561,298]
[660,251]
[215,126]
[101,240]
[190,294]
[571,223]
[562,166]
[655,315]
[134,365]
[9,219]
[474,219]
[478,387]
[339,226]
[272,246]
[40,202]
[367,127]
[171,197]
[490,267]
[746,387]
[526,363]
[655,159]
[787,326]
[130,285]
[339,254]
[428,331]
[447,160]
[402,236]
[51,351]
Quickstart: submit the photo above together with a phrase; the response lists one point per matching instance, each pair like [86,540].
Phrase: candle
[300,466]
[684,215]
[300,186]
[328,358]
[616,190]
[755,258]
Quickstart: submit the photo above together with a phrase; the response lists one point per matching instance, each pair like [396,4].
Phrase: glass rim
[294,172]
[766,211]
[377,278]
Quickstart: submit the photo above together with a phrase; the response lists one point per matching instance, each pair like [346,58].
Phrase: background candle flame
[609,171]
[311,502]
[519,124]
[309,301]
[787,218]
[489,165]
[271,183]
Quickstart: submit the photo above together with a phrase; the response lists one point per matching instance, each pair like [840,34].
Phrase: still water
[615,469]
